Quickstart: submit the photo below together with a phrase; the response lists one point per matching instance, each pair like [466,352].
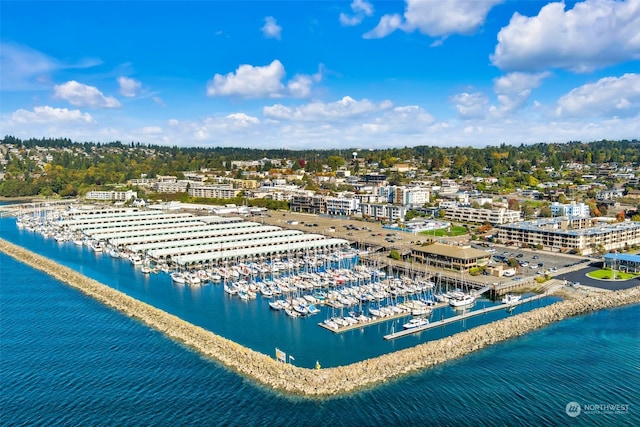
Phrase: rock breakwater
[330,381]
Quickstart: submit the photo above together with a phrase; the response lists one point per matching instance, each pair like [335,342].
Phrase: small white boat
[416,322]
[461,301]
[177,277]
[511,299]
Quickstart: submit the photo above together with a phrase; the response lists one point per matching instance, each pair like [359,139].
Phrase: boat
[416,322]
[461,301]
[511,299]
[178,277]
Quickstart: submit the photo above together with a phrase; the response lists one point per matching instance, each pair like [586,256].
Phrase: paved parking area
[581,277]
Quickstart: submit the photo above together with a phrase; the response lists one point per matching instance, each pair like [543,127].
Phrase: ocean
[68,360]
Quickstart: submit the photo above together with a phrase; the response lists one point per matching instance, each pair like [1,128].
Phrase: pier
[459,317]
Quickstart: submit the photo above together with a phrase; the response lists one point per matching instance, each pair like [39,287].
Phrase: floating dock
[459,317]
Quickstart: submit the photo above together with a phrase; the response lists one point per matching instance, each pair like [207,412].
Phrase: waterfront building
[342,205]
[461,258]
[623,262]
[480,216]
[571,233]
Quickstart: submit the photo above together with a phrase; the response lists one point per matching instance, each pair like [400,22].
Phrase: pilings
[330,381]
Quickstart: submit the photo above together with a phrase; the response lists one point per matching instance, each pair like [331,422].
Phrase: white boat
[177,277]
[461,301]
[416,322]
[511,299]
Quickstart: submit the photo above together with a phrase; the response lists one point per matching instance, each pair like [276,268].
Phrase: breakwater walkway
[330,381]
[462,316]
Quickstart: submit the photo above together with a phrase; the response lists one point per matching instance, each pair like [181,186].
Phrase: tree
[514,205]
[545,212]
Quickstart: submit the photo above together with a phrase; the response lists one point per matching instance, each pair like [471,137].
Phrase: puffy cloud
[436,18]
[593,34]
[242,119]
[470,105]
[360,8]
[609,96]
[514,89]
[271,29]
[129,87]
[343,109]
[249,81]
[81,95]
[46,114]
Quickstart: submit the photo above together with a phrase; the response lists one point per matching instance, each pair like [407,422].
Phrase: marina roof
[167,234]
[253,252]
[219,240]
[461,252]
[235,244]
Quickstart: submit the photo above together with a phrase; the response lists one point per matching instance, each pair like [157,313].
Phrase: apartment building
[480,216]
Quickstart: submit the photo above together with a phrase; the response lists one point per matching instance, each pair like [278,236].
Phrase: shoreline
[327,382]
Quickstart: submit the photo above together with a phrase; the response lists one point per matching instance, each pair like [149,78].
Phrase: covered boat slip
[290,249]
[96,224]
[97,218]
[167,235]
[253,242]
[213,238]
[170,231]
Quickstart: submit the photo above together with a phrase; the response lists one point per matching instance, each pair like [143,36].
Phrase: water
[250,323]
[67,359]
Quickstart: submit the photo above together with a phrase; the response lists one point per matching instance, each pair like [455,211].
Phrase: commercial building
[580,234]
[480,216]
[214,192]
[622,262]
[460,258]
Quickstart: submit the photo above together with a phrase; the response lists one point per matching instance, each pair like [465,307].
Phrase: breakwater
[324,382]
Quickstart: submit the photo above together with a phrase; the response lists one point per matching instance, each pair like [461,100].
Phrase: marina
[463,316]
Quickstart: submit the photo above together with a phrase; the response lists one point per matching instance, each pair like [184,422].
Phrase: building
[308,202]
[622,262]
[570,209]
[383,212]
[112,195]
[214,192]
[580,234]
[342,205]
[461,258]
[481,216]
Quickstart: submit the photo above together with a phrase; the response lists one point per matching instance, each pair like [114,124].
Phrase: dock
[459,317]
[373,321]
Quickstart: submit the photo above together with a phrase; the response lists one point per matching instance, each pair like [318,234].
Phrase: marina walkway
[459,317]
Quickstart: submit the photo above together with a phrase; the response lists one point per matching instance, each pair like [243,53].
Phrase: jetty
[326,382]
[453,319]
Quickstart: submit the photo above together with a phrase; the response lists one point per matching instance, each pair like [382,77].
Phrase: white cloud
[159,101]
[250,81]
[593,34]
[343,109]
[46,114]
[361,9]
[129,87]
[81,95]
[151,130]
[242,119]
[271,29]
[24,68]
[513,90]
[609,96]
[436,18]
[470,105]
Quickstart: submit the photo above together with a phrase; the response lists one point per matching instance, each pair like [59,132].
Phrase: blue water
[68,360]
[251,323]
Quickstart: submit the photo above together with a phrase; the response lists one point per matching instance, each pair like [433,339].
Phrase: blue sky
[321,74]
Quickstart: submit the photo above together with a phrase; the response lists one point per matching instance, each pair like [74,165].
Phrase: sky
[321,74]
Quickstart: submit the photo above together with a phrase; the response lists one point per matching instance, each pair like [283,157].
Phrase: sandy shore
[330,381]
